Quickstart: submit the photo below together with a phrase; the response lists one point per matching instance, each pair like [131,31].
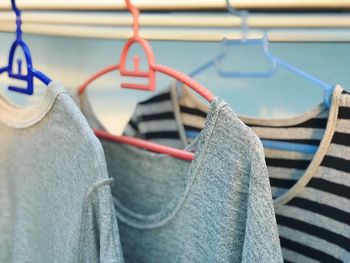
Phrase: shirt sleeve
[99,235]
[261,242]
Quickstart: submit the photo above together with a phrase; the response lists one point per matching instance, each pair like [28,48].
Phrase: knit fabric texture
[217,208]
[55,196]
[311,191]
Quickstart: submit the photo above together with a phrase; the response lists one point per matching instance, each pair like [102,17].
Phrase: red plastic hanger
[150,75]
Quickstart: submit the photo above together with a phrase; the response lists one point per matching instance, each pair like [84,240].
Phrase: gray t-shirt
[217,208]
[55,196]
[311,191]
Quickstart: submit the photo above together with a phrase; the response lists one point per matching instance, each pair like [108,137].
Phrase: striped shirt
[311,192]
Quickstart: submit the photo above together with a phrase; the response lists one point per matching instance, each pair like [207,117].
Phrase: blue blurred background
[72,60]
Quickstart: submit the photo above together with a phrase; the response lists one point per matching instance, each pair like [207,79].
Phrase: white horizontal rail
[174,4]
[182,26]
[182,34]
[184,19]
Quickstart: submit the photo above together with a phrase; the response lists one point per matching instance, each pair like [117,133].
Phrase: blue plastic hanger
[275,61]
[31,73]
[244,41]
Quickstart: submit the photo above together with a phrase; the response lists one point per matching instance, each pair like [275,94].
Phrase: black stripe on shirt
[319,123]
[344,113]
[287,163]
[192,111]
[157,98]
[316,231]
[330,187]
[308,251]
[192,128]
[299,141]
[161,135]
[133,125]
[341,138]
[167,115]
[282,183]
[336,163]
[322,209]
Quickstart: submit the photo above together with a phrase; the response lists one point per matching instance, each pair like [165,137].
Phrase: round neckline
[199,146]
[318,156]
[320,153]
[17,117]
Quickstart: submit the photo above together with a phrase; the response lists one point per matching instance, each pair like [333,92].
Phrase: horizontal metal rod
[176,4]
[183,26]
[184,20]
[181,34]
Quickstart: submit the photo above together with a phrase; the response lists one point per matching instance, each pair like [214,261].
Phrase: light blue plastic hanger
[244,41]
[31,72]
[275,61]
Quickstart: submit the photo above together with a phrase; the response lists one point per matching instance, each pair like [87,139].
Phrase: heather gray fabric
[217,208]
[55,196]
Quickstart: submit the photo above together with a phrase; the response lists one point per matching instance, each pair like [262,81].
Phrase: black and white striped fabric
[311,192]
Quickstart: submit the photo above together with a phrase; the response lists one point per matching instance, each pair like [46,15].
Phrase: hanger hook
[18,19]
[15,8]
[265,40]
[243,14]
[135,14]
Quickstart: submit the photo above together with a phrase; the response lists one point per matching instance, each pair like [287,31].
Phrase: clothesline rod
[181,34]
[209,20]
[176,5]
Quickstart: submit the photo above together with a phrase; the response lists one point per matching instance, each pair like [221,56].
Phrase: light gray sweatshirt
[55,195]
[217,208]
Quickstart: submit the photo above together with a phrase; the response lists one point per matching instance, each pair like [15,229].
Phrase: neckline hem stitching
[39,111]
[319,155]
[141,221]
[133,219]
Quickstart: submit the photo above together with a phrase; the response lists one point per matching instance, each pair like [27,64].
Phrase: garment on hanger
[217,208]
[55,196]
[311,192]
